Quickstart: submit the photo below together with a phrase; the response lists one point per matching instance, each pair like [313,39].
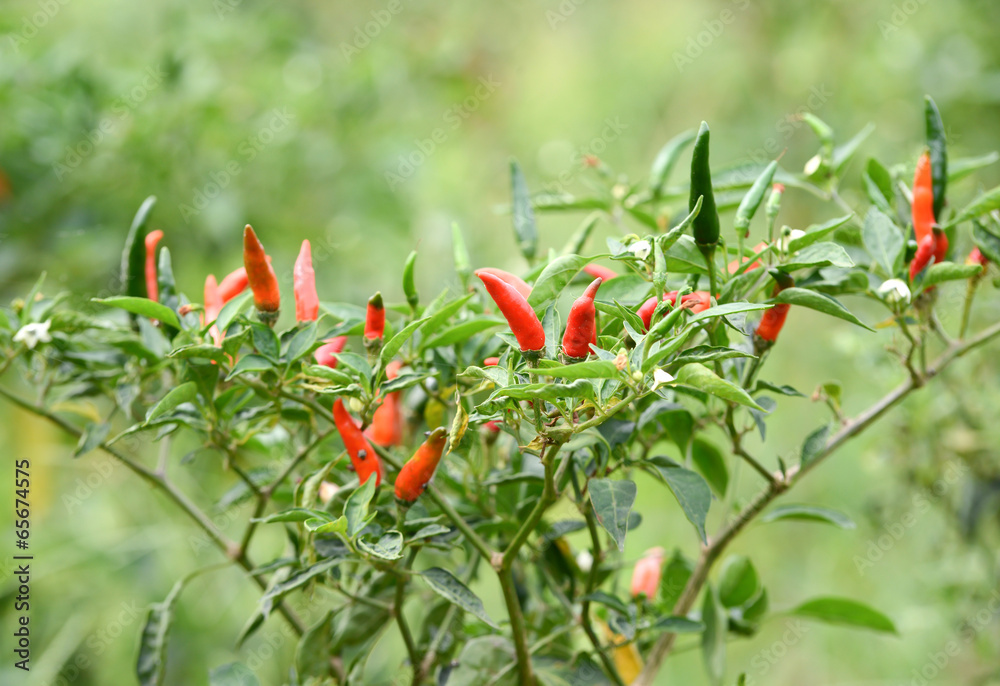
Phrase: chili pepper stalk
[261,277]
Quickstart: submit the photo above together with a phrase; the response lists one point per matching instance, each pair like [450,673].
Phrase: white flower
[812,166]
[584,560]
[661,378]
[33,334]
[788,236]
[894,292]
[640,249]
[327,490]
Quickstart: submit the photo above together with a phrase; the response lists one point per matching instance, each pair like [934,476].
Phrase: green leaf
[143,307]
[185,393]
[250,363]
[356,507]
[461,332]
[232,309]
[810,513]
[199,351]
[883,241]
[295,514]
[301,343]
[312,655]
[580,388]
[93,435]
[690,489]
[522,213]
[949,271]
[297,580]
[233,674]
[845,612]
[814,445]
[678,625]
[454,591]
[388,547]
[325,526]
[704,379]
[738,582]
[395,344]
[666,159]
[591,369]
[819,302]
[960,168]
[775,388]
[684,257]
[481,660]
[823,254]
[554,278]
[843,154]
[713,640]
[608,600]
[435,321]
[134,253]
[728,309]
[988,243]
[709,461]
[612,501]
[982,204]
[151,663]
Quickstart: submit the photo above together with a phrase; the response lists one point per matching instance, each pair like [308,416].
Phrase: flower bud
[894,292]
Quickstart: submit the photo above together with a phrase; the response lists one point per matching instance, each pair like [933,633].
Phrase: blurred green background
[369,129]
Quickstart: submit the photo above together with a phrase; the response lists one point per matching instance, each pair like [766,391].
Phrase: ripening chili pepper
[233,284]
[515,308]
[387,422]
[326,354]
[706,225]
[600,272]
[774,318]
[375,319]
[304,286]
[977,257]
[418,470]
[581,327]
[922,207]
[734,266]
[152,287]
[213,305]
[491,361]
[940,245]
[699,301]
[512,279]
[925,252]
[646,573]
[364,458]
[261,277]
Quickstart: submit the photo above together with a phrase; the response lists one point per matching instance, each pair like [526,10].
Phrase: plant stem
[711,552]
[449,617]
[397,611]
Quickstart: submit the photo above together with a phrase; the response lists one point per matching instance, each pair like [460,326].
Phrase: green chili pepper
[409,287]
[706,224]
[751,201]
[939,154]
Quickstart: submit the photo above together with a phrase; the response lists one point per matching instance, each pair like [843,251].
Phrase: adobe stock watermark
[246,152]
[938,660]
[612,131]
[901,13]
[121,109]
[562,12]
[766,658]
[919,505]
[713,28]
[456,115]
[365,33]
[97,643]
[35,22]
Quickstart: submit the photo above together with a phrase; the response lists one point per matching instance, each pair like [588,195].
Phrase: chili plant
[478,429]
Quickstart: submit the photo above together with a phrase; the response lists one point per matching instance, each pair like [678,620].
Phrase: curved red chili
[387,422]
[774,319]
[152,284]
[213,305]
[375,318]
[734,266]
[491,361]
[925,252]
[520,317]
[511,279]
[304,282]
[326,354]
[418,470]
[701,300]
[260,276]
[977,257]
[940,245]
[922,207]
[599,271]
[581,327]
[364,458]
[233,284]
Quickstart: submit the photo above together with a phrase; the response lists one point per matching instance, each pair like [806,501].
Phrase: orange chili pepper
[417,472]
[152,284]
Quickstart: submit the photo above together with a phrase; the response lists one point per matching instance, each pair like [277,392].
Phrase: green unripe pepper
[706,224]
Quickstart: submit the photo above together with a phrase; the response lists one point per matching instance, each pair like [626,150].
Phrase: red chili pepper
[922,207]
[491,361]
[418,470]
[375,318]
[774,318]
[701,300]
[599,271]
[304,280]
[152,285]
[387,422]
[925,252]
[364,458]
[734,266]
[512,279]
[326,354]
[581,324]
[233,284]
[515,308]
[940,245]
[977,257]
[260,276]
[646,573]
[213,305]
